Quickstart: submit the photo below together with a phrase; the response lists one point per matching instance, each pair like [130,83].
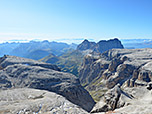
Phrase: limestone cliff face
[127,67]
[18,72]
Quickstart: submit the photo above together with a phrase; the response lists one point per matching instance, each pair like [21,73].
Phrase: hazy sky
[73,20]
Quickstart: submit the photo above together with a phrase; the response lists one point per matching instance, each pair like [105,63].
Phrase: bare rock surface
[110,101]
[136,100]
[15,74]
[7,60]
[127,67]
[33,101]
[140,104]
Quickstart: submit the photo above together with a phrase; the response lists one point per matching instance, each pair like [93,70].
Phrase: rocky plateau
[135,100]
[19,72]
[118,80]
[34,101]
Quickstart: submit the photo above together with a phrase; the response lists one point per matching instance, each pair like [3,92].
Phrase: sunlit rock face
[19,72]
[127,67]
[34,101]
[134,100]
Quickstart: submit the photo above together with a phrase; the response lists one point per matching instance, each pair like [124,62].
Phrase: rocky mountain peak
[105,45]
[101,46]
[85,45]
[85,41]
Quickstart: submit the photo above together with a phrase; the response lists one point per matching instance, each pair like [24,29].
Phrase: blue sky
[75,20]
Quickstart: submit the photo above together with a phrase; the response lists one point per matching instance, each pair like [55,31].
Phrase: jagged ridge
[128,67]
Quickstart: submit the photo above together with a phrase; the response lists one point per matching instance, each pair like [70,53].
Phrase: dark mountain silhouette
[86,45]
[101,46]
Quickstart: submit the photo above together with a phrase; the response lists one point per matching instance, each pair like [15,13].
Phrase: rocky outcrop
[33,101]
[126,100]
[110,101]
[140,103]
[7,60]
[127,67]
[20,73]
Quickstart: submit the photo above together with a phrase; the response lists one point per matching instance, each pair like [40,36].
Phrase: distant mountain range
[35,49]
[67,56]
[136,43]
[71,60]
